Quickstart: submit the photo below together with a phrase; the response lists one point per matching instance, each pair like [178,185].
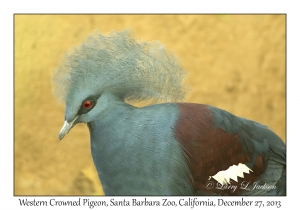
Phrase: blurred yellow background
[235,62]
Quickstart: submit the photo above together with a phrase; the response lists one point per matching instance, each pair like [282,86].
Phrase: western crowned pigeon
[166,148]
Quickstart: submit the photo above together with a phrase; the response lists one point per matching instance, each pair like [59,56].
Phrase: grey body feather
[135,152]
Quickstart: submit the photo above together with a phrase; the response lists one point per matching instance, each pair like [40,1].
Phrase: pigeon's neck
[112,108]
[104,128]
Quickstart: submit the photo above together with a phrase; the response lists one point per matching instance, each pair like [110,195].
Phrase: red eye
[87,104]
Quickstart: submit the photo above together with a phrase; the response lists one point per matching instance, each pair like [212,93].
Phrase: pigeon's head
[119,65]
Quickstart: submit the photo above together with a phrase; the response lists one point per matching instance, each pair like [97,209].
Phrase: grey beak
[66,128]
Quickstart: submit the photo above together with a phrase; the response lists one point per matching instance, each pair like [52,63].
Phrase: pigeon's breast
[135,152]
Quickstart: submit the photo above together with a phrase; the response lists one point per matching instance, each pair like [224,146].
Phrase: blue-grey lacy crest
[135,71]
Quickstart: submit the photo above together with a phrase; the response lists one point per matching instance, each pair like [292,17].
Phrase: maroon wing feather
[209,149]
